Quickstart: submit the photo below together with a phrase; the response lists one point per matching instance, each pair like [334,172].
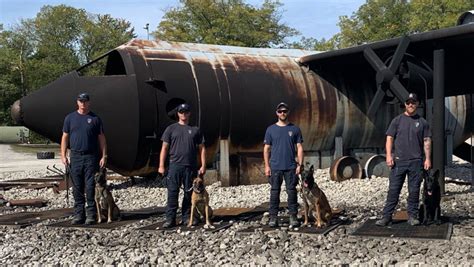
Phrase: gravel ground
[362,199]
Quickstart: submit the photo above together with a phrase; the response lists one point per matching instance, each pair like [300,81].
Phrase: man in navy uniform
[83,134]
[412,137]
[283,142]
[183,142]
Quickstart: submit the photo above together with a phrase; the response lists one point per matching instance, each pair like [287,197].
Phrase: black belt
[84,152]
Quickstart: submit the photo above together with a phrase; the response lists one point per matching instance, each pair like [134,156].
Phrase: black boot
[273,222]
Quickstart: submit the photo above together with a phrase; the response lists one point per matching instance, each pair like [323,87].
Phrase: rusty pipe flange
[345,168]
[377,166]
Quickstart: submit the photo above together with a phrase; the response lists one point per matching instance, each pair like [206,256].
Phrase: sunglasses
[282,111]
[183,111]
[410,103]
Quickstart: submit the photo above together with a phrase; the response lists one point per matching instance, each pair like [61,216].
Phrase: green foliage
[229,22]
[383,19]
[432,15]
[375,20]
[58,40]
[315,44]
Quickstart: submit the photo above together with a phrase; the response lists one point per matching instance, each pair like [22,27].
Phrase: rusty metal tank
[232,91]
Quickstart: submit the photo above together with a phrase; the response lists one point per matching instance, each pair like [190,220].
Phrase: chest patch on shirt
[290,133]
[417,124]
[190,131]
[89,120]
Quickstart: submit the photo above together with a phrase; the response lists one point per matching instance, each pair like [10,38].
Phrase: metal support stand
[449,148]
[338,147]
[439,149]
[471,128]
[224,171]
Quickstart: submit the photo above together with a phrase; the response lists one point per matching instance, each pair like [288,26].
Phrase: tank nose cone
[16,113]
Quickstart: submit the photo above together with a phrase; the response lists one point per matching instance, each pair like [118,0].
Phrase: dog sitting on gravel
[103,198]
[200,203]
[430,209]
[314,199]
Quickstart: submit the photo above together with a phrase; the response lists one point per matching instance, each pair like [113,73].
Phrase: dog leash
[67,177]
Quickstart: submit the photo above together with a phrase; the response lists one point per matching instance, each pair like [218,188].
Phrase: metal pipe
[439,149]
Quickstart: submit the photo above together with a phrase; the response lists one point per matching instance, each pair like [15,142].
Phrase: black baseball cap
[282,105]
[83,97]
[412,96]
[183,107]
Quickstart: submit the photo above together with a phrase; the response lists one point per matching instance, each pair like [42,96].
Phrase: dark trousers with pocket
[291,180]
[179,175]
[413,170]
[83,168]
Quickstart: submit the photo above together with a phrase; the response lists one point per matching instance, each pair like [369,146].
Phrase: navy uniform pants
[83,167]
[291,180]
[413,170]
[179,175]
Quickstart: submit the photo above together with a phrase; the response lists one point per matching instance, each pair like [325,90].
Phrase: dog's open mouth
[430,193]
[305,184]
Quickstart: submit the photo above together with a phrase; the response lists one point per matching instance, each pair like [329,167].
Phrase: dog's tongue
[305,184]
[429,193]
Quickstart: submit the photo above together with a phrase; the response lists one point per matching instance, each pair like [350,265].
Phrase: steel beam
[439,149]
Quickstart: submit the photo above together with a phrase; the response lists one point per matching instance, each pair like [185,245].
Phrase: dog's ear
[311,169]
[424,174]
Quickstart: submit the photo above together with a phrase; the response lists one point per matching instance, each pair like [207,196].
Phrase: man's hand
[161,170]
[65,160]
[103,162]
[268,172]
[202,170]
[427,164]
[298,169]
[389,161]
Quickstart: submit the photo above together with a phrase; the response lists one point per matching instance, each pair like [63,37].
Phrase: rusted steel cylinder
[233,92]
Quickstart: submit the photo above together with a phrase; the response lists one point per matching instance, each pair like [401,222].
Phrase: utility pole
[147,31]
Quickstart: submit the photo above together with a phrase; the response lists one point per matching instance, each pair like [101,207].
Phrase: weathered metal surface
[401,229]
[127,217]
[24,219]
[345,168]
[34,202]
[233,92]
[376,165]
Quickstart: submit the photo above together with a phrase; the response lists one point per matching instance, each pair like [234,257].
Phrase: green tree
[58,40]
[103,33]
[230,22]
[432,15]
[375,20]
[384,19]
[315,44]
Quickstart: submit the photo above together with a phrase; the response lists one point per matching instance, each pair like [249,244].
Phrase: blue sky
[313,18]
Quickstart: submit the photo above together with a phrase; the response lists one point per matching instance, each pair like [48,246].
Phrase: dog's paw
[209,226]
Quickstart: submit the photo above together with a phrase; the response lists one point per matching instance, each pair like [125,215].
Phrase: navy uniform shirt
[409,133]
[83,130]
[184,141]
[282,140]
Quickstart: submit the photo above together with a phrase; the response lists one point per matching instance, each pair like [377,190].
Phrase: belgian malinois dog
[314,199]
[103,198]
[200,203]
